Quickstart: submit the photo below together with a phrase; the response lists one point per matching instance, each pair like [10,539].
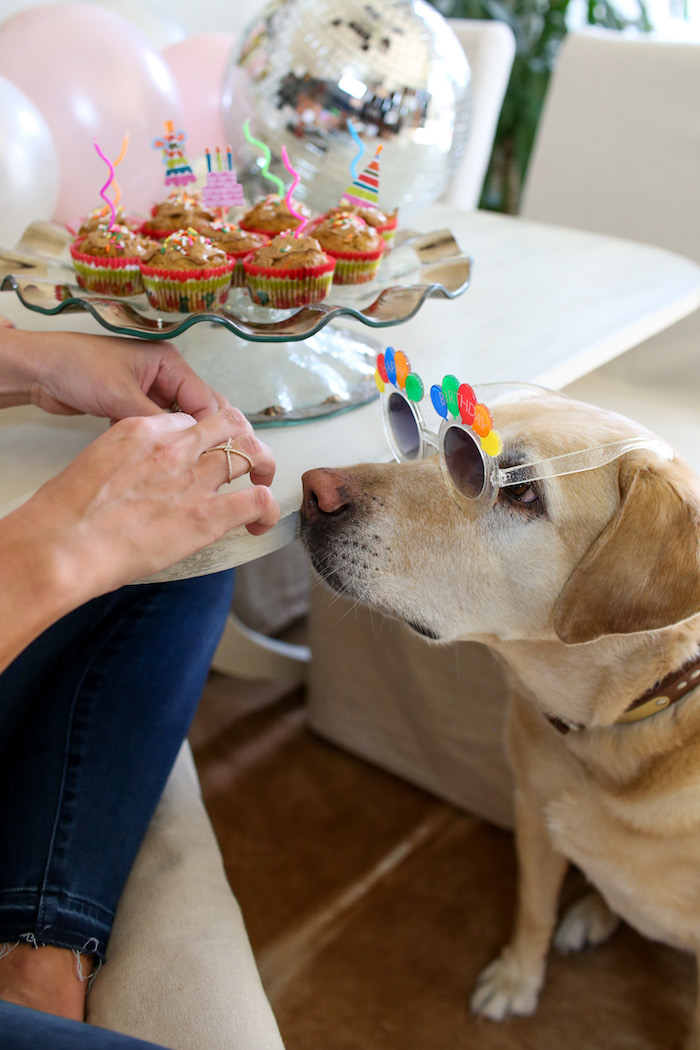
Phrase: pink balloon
[93,75]
[198,65]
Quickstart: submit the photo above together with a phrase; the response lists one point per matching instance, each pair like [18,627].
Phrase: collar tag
[650,707]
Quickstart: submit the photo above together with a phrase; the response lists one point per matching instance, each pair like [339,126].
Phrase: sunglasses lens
[404,426]
[464,462]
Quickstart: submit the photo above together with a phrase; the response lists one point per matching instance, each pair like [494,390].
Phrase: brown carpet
[372,906]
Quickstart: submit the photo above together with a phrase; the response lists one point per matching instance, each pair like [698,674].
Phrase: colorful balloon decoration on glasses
[452,397]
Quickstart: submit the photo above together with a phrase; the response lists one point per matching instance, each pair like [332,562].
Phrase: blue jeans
[92,715]
[23,1029]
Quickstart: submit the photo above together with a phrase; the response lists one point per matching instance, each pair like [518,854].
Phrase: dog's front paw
[587,922]
[506,987]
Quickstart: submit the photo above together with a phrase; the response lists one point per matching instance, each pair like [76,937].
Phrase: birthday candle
[230,158]
[218,158]
[208,156]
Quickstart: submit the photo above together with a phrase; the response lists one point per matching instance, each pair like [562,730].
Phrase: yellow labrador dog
[588,586]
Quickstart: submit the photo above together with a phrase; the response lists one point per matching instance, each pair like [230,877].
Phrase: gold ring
[227,447]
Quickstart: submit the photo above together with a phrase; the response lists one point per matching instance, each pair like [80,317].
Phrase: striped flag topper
[364,190]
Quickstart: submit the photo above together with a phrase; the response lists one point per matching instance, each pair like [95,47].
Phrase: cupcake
[384,224]
[186,273]
[271,216]
[289,272]
[102,217]
[237,243]
[356,247]
[179,211]
[109,261]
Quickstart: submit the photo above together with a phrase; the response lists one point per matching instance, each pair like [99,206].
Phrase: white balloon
[29,172]
[155,22]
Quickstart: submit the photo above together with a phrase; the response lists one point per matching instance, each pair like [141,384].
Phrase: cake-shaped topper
[222,189]
[177,169]
[364,190]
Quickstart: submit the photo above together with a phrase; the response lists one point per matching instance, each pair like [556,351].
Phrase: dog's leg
[588,921]
[512,982]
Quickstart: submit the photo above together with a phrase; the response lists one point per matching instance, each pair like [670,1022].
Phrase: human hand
[143,495]
[70,373]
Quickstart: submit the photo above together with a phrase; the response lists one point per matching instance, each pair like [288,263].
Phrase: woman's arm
[39,583]
[139,498]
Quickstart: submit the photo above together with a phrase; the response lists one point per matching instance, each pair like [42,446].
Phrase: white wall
[195,16]
[200,16]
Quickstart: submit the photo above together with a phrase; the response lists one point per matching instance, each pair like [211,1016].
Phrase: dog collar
[668,691]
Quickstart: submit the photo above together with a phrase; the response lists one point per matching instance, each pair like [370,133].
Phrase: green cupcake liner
[193,295]
[355,271]
[108,278]
[286,293]
[388,232]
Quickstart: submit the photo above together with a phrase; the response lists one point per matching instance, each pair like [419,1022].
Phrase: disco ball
[393,68]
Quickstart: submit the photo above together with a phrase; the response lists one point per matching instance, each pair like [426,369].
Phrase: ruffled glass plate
[310,365]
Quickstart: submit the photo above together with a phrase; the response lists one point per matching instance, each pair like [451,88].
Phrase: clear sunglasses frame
[496,478]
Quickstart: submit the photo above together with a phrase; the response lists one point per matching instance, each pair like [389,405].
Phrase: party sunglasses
[467,443]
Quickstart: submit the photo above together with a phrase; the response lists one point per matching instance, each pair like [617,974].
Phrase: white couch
[179,969]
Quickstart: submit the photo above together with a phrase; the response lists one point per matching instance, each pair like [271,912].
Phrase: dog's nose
[326,492]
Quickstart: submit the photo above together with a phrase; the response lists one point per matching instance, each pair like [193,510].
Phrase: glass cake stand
[278,366]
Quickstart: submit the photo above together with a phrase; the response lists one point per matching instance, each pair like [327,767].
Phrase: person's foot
[47,979]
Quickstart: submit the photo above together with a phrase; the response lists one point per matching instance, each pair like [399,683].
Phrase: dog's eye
[525,493]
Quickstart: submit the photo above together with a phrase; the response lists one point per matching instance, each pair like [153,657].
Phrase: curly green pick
[266,154]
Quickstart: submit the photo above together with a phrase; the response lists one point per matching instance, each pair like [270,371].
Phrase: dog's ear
[643,571]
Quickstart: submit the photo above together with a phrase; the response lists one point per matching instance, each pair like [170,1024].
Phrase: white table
[546,305]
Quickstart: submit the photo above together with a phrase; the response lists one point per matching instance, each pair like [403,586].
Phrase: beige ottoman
[434,715]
